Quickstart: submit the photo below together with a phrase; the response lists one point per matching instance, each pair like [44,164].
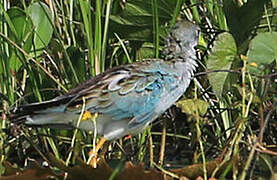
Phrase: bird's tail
[52,112]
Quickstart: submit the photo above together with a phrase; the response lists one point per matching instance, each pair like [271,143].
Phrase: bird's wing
[127,92]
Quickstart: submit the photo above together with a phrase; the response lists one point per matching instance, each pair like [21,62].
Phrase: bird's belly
[111,129]
[106,126]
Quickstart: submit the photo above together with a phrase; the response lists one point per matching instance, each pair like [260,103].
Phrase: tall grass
[92,36]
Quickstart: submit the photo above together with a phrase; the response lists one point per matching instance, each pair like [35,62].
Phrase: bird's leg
[129,136]
[93,153]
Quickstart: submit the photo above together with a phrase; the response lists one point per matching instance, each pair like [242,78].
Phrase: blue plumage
[127,98]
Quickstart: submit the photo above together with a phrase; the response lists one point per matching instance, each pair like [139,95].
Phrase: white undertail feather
[52,118]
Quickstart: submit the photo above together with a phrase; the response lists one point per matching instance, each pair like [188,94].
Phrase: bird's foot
[93,158]
[127,137]
[94,152]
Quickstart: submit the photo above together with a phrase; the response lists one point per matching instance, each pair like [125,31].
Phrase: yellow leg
[127,137]
[93,153]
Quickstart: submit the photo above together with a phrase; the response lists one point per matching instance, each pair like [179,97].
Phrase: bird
[125,99]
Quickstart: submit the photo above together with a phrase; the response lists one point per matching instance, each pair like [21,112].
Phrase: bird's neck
[186,58]
[182,55]
[185,64]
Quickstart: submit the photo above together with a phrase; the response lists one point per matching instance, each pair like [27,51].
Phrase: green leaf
[242,19]
[41,17]
[19,25]
[221,58]
[262,51]
[193,106]
[19,31]
[15,62]
[135,21]
[78,61]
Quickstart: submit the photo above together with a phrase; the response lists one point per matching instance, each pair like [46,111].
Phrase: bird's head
[181,40]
